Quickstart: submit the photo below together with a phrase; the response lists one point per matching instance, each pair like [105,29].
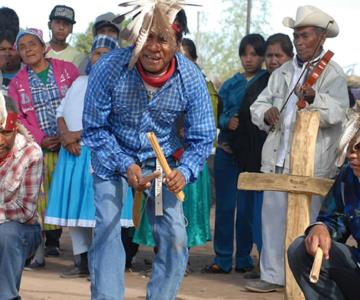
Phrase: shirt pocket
[126,115]
[11,185]
[166,109]
[127,106]
[165,116]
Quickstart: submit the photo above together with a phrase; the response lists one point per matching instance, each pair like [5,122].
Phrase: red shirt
[20,179]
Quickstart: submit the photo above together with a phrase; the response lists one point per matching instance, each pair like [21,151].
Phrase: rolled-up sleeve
[331,98]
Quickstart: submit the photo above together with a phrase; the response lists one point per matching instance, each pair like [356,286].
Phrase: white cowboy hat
[308,15]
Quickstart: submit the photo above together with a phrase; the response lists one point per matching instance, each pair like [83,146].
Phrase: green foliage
[83,41]
[218,51]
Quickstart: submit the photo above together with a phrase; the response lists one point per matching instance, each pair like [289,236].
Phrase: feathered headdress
[352,130]
[157,15]
[7,119]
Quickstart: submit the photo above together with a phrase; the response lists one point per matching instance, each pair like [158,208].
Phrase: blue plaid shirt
[46,99]
[118,114]
[340,211]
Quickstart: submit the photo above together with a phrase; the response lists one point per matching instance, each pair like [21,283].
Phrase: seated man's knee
[296,250]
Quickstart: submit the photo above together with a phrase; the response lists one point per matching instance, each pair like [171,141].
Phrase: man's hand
[233,123]
[306,92]
[73,148]
[318,236]
[51,143]
[175,181]
[272,116]
[137,181]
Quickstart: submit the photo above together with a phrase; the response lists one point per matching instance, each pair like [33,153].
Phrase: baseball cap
[106,19]
[63,12]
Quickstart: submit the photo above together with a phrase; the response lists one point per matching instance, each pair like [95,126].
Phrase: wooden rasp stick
[315,270]
[136,211]
[162,160]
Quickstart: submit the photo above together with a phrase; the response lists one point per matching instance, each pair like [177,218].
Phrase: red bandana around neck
[156,81]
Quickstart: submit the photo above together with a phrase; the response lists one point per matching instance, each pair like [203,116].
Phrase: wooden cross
[300,185]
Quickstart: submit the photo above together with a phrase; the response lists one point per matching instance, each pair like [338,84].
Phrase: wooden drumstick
[162,160]
[315,270]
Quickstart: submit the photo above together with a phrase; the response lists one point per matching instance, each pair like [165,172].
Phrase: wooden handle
[162,160]
[136,210]
[137,200]
[315,270]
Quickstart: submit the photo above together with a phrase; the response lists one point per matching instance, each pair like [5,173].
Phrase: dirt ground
[46,284]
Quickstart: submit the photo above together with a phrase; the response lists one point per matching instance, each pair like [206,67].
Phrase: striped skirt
[50,159]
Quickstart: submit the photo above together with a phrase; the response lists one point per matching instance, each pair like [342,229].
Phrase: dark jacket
[247,140]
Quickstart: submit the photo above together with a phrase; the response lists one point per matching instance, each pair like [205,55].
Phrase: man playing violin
[275,111]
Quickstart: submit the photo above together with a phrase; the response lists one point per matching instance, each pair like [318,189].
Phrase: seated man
[338,219]
[20,177]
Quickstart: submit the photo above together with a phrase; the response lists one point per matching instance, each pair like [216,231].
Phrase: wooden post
[302,160]
[300,185]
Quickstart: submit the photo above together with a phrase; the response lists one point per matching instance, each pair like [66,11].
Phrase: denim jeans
[106,254]
[339,275]
[107,257]
[169,263]
[17,243]
[233,215]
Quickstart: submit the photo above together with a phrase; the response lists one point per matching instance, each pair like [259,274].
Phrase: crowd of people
[74,153]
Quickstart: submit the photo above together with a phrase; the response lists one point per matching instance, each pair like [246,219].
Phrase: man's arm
[265,105]
[23,208]
[331,96]
[97,133]
[331,222]
[200,130]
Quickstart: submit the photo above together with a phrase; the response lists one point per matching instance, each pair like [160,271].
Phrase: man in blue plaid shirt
[133,91]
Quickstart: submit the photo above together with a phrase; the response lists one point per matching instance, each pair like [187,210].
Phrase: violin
[314,75]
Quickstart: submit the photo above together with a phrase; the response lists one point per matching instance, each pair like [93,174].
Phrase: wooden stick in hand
[136,212]
[315,270]
[162,160]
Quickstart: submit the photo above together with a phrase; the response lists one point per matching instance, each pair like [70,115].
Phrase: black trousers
[339,276]
[53,238]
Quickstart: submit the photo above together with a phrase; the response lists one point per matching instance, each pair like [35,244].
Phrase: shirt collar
[20,143]
[300,64]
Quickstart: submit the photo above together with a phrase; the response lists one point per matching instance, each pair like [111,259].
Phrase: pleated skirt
[71,195]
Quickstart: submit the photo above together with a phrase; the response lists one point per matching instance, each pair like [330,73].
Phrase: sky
[346,46]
